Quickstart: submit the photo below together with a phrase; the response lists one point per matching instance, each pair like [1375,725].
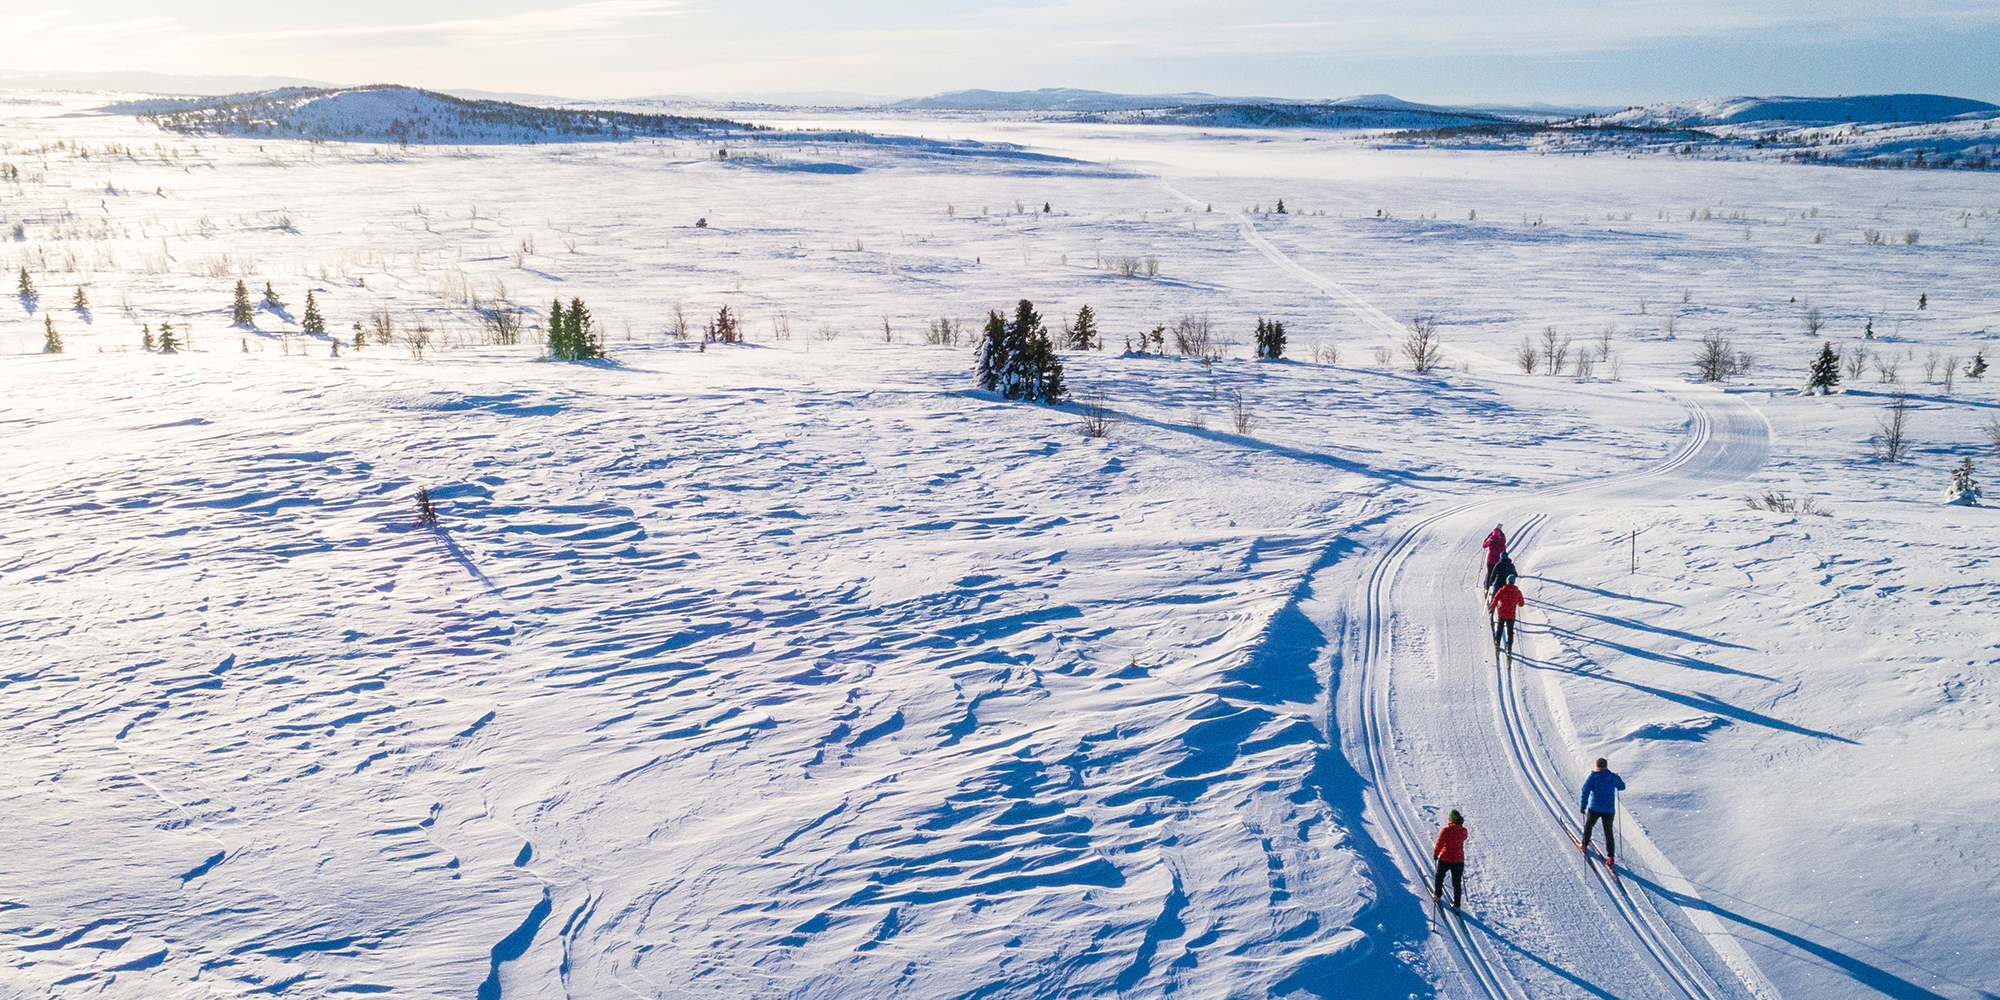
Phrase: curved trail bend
[1432,721]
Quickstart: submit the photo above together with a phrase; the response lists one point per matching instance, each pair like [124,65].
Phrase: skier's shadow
[1703,702]
[1874,977]
[1570,977]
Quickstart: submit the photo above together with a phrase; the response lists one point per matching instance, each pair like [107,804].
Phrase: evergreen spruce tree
[51,341]
[27,284]
[1976,368]
[81,302]
[1964,489]
[169,344]
[1270,338]
[271,300]
[558,331]
[146,330]
[1083,336]
[239,313]
[583,339]
[1825,370]
[993,351]
[313,325]
[1049,386]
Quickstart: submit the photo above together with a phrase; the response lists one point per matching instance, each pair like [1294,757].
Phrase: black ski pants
[1504,626]
[1610,845]
[1457,870]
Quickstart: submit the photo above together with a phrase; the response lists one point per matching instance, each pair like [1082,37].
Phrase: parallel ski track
[1376,643]
[1409,835]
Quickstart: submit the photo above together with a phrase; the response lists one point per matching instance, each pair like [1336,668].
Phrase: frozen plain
[802,669]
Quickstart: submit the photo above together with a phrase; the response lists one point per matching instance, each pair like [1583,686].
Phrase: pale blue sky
[1615,52]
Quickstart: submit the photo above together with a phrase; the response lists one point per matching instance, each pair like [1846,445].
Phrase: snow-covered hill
[403,115]
[1796,112]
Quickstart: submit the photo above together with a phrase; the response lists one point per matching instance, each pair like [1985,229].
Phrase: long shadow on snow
[1675,659]
[1874,977]
[1606,593]
[1706,703]
[1279,670]
[1636,626]
[1296,454]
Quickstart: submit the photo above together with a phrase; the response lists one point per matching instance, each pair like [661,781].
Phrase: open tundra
[801,667]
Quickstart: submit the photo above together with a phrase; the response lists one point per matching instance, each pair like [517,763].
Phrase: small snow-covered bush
[1964,490]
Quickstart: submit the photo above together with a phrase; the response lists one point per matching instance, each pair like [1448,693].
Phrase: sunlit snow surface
[800,668]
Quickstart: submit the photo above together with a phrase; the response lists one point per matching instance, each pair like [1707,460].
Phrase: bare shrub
[1718,360]
[1152,266]
[1240,416]
[1126,266]
[418,340]
[1891,440]
[384,326]
[944,331]
[503,323]
[1193,336]
[1528,356]
[1814,321]
[1992,431]
[1886,369]
[1778,503]
[1871,237]
[1383,356]
[1931,359]
[1857,363]
[1097,419]
[781,326]
[1950,373]
[1324,354]
[1670,325]
[1422,347]
[677,323]
[1586,364]
[829,332]
[1554,354]
[1910,237]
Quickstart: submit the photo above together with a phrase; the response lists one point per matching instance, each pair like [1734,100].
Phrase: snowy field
[802,668]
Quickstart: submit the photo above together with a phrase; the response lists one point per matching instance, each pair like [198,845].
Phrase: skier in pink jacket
[1496,546]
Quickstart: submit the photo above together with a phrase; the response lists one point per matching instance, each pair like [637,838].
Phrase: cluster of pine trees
[572,335]
[1271,332]
[1017,360]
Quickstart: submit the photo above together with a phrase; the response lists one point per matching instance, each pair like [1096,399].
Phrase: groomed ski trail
[1538,923]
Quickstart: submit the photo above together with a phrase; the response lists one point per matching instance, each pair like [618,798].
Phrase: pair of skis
[1610,868]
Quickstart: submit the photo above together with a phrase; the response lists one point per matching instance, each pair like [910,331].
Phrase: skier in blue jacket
[1600,802]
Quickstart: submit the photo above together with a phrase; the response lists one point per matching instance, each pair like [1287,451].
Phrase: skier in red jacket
[1506,602]
[1495,546]
[1450,855]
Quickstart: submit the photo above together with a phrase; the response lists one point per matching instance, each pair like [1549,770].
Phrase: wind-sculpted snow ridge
[403,114]
[755,673]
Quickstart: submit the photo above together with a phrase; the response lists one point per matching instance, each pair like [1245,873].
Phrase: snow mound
[1697,728]
[401,114]
[1872,109]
